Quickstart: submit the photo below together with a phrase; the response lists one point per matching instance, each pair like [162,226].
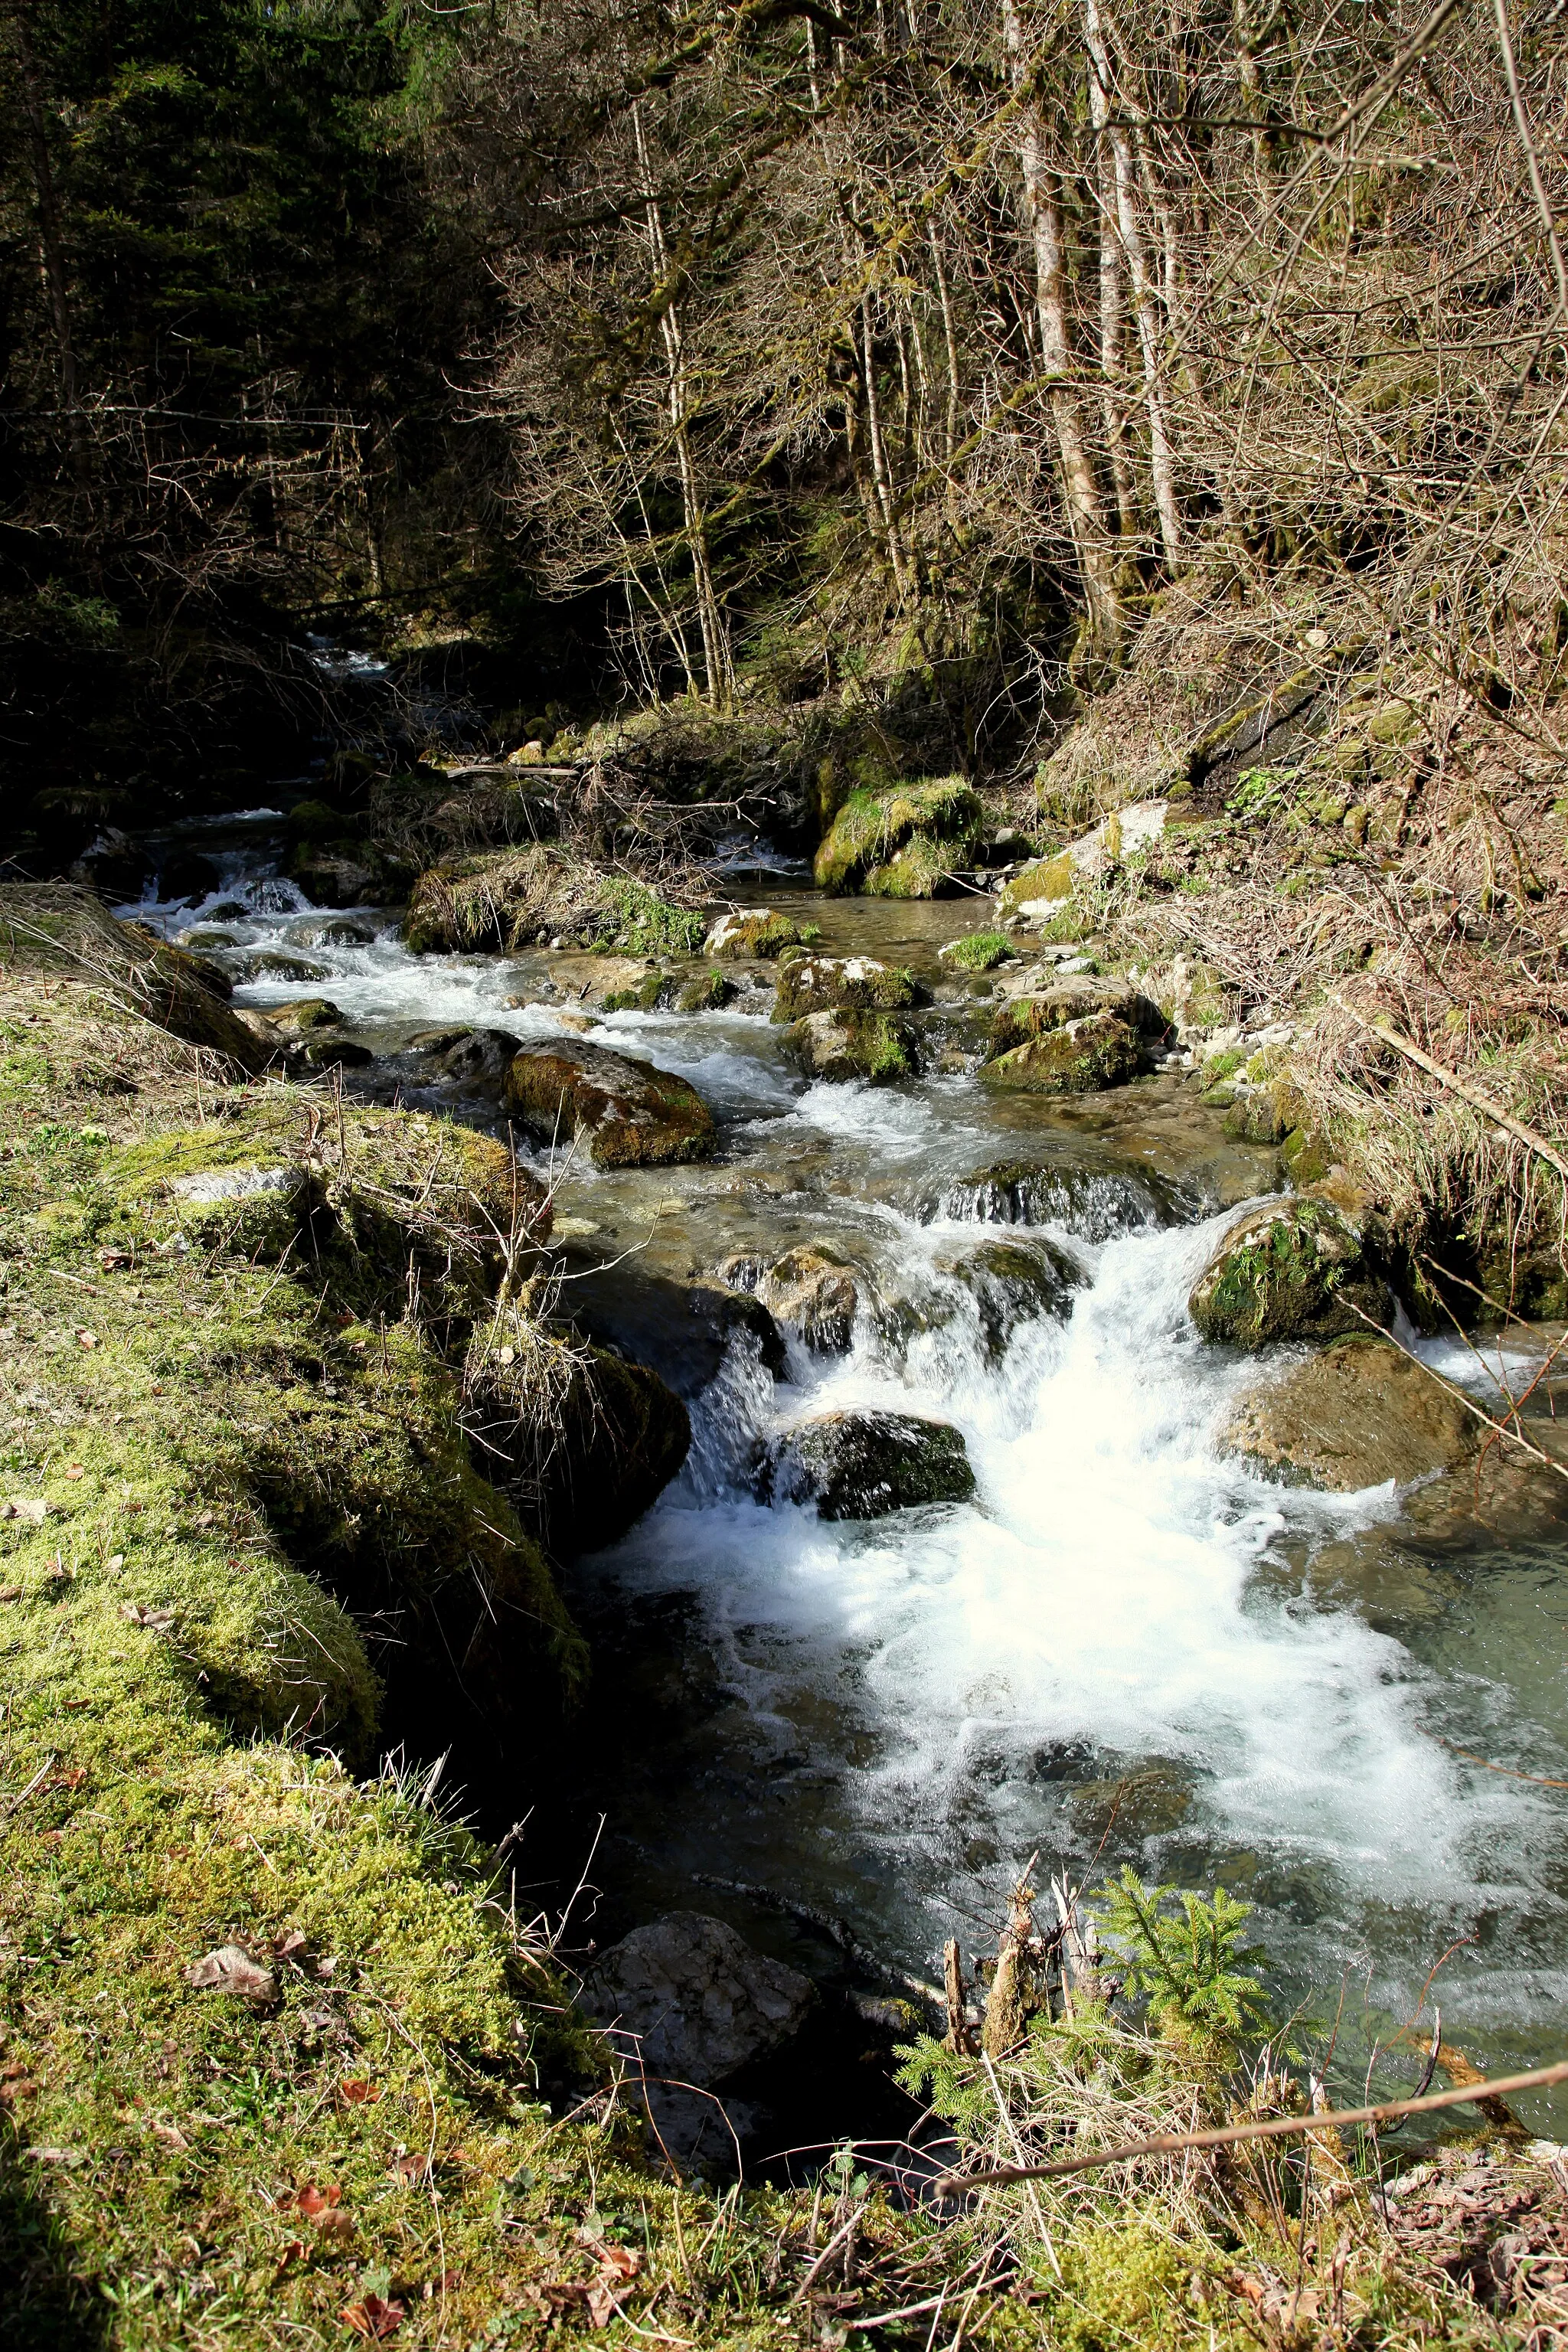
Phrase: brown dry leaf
[22,1506]
[231,1970]
[76,1471]
[601,2305]
[87,1339]
[339,2226]
[152,1621]
[289,1944]
[373,2317]
[618,2262]
[410,2166]
[23,2087]
[10,1592]
[50,1837]
[358,2092]
[116,1560]
[71,1779]
[312,2201]
[171,2134]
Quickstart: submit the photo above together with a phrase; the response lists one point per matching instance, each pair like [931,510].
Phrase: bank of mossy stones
[506,899]
[978,951]
[624,1114]
[814,983]
[756,932]
[907,841]
[1297,1269]
[1021,1020]
[864,1466]
[850,1044]
[1358,1414]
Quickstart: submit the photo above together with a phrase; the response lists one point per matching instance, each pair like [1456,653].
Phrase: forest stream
[1124,1648]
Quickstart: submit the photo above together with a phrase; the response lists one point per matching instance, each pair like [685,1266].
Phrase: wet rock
[815,1293]
[185,873]
[206,939]
[905,842]
[863,1465]
[811,984]
[330,879]
[337,931]
[1353,1417]
[852,1044]
[709,992]
[701,2002]
[609,982]
[115,866]
[477,1058]
[645,996]
[625,1114]
[1294,1269]
[683,1330]
[1013,1282]
[1021,1020]
[1080,1057]
[1092,1202]
[324,1052]
[583,1441]
[306,1013]
[754,932]
[278,963]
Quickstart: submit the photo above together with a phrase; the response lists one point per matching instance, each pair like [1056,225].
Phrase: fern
[1191,1969]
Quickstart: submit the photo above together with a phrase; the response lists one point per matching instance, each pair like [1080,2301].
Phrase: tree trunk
[1144,294]
[1043,214]
[1112,361]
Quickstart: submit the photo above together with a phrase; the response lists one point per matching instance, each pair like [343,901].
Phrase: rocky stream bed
[981,1550]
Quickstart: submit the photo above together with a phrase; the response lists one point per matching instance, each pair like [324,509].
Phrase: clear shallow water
[1126,1647]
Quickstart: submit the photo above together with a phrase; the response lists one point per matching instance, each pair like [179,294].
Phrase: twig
[1540,2078]
[1512,1436]
[1461,1087]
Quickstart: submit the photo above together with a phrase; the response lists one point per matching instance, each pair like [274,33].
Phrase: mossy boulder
[1040,886]
[624,1113]
[863,1465]
[1021,1020]
[814,983]
[305,1014]
[1294,1269]
[903,843]
[1012,1283]
[853,1044]
[811,1290]
[709,992]
[654,989]
[755,931]
[1357,1414]
[1077,1057]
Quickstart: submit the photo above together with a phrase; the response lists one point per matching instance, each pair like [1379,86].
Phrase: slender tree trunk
[1082,492]
[50,240]
[881,475]
[949,340]
[1111,360]
[1144,295]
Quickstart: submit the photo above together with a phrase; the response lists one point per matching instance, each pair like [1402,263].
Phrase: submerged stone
[1012,1283]
[863,1465]
[305,1014]
[1360,1413]
[1293,1269]
[625,1114]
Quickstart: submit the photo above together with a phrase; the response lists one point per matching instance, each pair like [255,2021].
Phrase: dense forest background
[765,352]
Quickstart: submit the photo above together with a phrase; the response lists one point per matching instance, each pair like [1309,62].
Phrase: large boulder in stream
[1359,1413]
[754,932]
[814,983]
[908,841]
[1295,1269]
[863,1465]
[1012,1283]
[811,1290]
[624,1113]
[852,1044]
[1074,1036]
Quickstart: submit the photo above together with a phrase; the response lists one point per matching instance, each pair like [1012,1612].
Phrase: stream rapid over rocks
[1123,1647]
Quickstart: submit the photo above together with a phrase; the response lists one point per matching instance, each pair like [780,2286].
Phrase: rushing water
[1124,1648]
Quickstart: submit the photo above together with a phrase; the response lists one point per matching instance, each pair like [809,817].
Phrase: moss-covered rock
[978,951]
[305,1014]
[814,983]
[755,931]
[853,1044]
[813,1291]
[863,1465]
[624,1113]
[1077,1057]
[1020,1020]
[1042,885]
[1012,1283]
[709,992]
[1292,1270]
[905,842]
[1360,1413]
[654,989]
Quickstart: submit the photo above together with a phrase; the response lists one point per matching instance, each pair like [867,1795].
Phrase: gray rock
[1353,1417]
[277,963]
[1294,1269]
[479,1057]
[1013,1282]
[851,1043]
[862,1465]
[693,2001]
[813,1291]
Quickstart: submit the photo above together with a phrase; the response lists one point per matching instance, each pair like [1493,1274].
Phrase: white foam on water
[1100,1589]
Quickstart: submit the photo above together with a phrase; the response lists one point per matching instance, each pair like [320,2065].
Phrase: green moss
[1048,878]
[1077,1058]
[908,837]
[708,993]
[978,951]
[1293,1271]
